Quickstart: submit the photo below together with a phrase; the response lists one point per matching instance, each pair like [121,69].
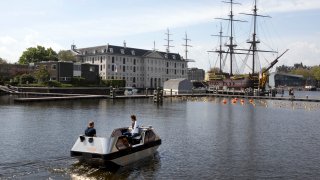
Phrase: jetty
[157,96]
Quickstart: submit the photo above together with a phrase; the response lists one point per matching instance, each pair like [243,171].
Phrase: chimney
[124,44]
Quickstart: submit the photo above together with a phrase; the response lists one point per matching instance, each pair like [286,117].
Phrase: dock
[59,97]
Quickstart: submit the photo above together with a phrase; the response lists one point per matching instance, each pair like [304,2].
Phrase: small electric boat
[117,149]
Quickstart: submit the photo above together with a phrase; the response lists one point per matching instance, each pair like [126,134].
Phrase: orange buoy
[224,101]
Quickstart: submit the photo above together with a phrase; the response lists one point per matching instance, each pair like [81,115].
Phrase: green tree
[304,72]
[316,72]
[26,78]
[3,61]
[38,54]
[66,56]
[42,75]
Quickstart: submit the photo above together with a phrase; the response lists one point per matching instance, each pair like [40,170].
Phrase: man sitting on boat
[90,131]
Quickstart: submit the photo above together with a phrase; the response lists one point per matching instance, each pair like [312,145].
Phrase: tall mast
[186,45]
[220,51]
[231,19]
[254,40]
[168,41]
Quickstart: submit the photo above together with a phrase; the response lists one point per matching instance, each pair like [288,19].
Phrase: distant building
[140,68]
[282,79]
[8,71]
[65,71]
[59,71]
[177,86]
[195,74]
[90,72]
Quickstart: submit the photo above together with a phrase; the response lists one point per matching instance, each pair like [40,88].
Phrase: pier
[157,99]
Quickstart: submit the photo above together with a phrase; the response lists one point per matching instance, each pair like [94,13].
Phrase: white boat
[117,149]
[130,91]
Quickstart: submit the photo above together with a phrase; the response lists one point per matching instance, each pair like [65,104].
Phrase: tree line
[308,72]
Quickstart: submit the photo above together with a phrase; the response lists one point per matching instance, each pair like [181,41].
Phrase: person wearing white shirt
[134,126]
[134,129]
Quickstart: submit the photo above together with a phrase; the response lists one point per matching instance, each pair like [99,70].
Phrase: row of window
[134,61]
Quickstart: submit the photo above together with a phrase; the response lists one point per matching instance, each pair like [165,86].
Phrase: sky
[86,23]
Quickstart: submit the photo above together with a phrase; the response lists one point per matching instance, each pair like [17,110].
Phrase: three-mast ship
[245,83]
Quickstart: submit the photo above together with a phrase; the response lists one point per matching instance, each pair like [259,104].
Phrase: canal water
[202,138]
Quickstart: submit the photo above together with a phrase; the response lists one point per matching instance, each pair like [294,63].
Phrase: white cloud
[306,52]
[11,49]
[7,40]
[289,5]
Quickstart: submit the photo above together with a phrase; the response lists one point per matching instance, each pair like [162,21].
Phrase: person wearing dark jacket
[90,131]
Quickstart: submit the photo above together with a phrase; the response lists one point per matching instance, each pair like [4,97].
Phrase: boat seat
[136,139]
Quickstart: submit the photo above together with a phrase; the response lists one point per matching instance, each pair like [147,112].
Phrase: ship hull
[243,83]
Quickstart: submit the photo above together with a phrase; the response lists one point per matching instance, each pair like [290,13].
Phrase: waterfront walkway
[85,96]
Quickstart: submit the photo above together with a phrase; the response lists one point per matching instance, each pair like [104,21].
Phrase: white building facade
[138,67]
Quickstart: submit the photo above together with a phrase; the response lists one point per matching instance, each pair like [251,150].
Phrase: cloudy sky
[59,23]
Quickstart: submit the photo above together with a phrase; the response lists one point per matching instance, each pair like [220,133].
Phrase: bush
[114,83]
[79,81]
[26,79]
[53,84]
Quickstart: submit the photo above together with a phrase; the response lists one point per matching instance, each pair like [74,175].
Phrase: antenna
[168,41]
[186,45]
[231,37]
[154,46]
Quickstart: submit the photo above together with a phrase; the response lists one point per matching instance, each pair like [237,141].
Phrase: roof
[121,50]
[285,74]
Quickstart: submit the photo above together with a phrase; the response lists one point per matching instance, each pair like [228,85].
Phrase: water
[202,138]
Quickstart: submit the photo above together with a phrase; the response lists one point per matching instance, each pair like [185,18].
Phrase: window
[134,79]
[134,61]
[122,51]
[175,65]
[134,69]
[173,56]
[167,71]
[124,60]
[124,68]
[166,56]
[175,71]
[167,64]
[111,50]
[182,65]
[112,67]
[133,53]
[92,69]
[101,59]
[112,59]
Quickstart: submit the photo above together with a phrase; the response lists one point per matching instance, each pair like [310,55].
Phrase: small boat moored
[117,149]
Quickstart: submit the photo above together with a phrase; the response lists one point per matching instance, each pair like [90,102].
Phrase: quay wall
[73,90]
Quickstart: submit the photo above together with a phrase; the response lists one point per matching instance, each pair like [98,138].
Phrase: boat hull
[118,158]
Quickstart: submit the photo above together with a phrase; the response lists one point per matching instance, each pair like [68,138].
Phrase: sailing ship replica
[242,83]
